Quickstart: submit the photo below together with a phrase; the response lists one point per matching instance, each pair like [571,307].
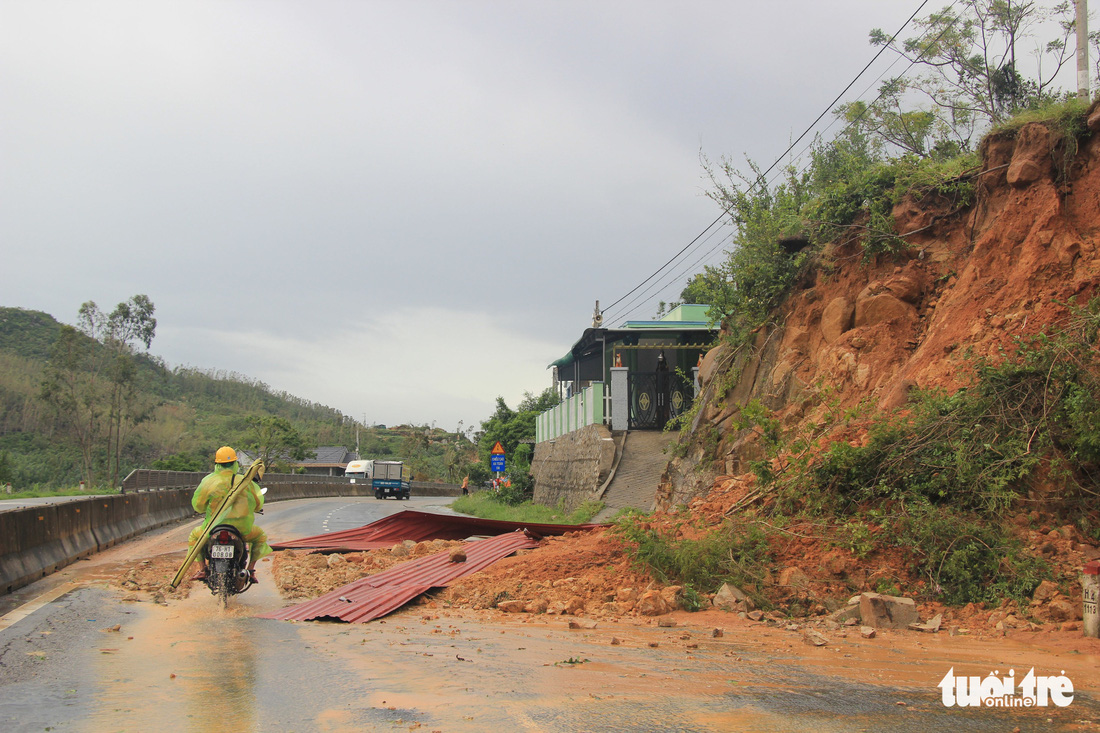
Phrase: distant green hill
[26,333]
[190,412]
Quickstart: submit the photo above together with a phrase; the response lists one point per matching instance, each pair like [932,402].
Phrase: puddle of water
[192,670]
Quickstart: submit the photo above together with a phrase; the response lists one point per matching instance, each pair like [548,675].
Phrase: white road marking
[324,524]
[13,617]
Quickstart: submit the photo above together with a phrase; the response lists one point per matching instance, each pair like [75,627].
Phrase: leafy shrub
[851,180]
[856,537]
[732,553]
[967,558]
[952,178]
[949,452]
[692,599]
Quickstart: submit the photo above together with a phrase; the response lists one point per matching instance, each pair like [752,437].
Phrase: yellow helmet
[225,454]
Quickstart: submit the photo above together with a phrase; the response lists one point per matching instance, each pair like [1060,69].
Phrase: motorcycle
[226,555]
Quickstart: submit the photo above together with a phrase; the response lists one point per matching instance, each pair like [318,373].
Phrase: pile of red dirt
[579,573]
[301,575]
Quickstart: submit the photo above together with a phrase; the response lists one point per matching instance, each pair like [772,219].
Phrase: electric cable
[674,278]
[866,109]
[663,284]
[609,311]
[643,282]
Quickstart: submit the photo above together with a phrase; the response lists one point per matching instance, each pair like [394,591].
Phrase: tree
[515,429]
[541,402]
[276,442]
[910,131]
[416,446]
[454,463]
[129,324]
[91,380]
[512,427]
[181,462]
[972,76]
[478,472]
[72,387]
[705,288]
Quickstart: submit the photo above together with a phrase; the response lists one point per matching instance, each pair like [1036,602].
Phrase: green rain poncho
[241,514]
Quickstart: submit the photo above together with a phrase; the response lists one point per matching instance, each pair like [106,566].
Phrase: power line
[663,283]
[669,281]
[672,281]
[810,144]
[643,282]
[868,107]
[853,81]
[609,311]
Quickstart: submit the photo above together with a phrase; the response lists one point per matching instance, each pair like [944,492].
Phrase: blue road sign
[496,463]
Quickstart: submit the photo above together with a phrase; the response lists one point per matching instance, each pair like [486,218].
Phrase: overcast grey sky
[399,209]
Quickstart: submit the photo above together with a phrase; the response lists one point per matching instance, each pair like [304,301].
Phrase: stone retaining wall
[573,466]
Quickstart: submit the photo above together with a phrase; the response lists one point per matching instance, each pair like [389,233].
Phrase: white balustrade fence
[584,408]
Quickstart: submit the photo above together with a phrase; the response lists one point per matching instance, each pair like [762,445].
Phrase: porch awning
[562,362]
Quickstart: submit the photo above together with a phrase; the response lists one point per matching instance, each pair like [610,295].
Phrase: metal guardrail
[147,479]
[143,479]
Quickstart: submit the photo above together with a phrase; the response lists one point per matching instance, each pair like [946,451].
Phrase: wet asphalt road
[190,666]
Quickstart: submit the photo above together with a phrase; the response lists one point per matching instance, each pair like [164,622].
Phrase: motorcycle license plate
[221,552]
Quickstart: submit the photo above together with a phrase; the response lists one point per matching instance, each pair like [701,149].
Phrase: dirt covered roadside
[806,579]
[153,576]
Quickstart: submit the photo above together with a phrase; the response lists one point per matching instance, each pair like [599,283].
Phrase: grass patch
[1068,116]
[483,505]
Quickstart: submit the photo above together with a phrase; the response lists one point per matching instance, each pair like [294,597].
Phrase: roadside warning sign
[498,449]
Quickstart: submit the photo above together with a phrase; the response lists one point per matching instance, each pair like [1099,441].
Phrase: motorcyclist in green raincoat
[242,514]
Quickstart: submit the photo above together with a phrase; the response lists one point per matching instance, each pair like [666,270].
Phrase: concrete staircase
[641,464]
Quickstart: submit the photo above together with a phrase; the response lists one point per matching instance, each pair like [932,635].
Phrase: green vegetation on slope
[187,413]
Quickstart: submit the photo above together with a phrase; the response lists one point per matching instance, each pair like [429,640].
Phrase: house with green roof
[634,377]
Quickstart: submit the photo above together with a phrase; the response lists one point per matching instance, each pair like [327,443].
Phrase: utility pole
[1082,49]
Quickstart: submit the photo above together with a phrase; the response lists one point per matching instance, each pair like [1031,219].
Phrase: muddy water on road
[193,669]
[469,671]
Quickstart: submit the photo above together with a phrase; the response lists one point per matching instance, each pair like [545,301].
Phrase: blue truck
[390,478]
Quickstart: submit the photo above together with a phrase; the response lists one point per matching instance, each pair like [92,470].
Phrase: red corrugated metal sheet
[419,526]
[377,595]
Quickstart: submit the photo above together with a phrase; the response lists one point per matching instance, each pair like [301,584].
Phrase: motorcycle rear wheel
[221,589]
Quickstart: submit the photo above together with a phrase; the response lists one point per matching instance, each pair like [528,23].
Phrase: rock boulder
[887,612]
[837,318]
[877,309]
